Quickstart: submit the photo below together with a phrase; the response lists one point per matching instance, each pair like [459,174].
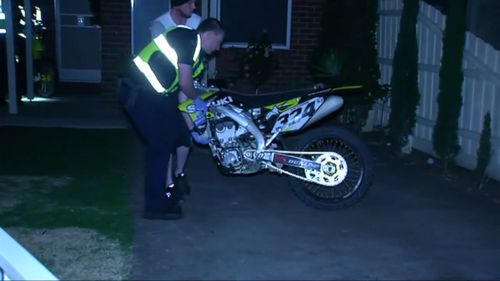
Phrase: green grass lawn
[54,178]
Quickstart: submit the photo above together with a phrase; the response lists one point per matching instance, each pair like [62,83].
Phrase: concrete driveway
[411,225]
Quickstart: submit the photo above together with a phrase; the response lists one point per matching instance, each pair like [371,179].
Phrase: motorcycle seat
[264,99]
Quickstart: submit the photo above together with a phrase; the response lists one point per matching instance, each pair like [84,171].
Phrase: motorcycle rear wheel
[351,151]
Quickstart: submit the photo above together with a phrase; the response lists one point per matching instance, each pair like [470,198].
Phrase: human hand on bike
[200,138]
[201,121]
[200,105]
[201,108]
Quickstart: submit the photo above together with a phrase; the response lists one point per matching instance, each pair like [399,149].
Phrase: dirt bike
[329,166]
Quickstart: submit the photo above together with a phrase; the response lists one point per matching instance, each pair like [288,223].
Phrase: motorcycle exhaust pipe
[244,121]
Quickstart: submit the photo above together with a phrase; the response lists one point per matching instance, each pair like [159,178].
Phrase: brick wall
[293,70]
[116,38]
[293,63]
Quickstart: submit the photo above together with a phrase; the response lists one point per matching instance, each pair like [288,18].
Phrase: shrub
[258,62]
[484,150]
[445,134]
[405,95]
[346,54]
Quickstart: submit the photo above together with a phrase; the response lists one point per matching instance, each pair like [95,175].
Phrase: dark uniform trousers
[155,117]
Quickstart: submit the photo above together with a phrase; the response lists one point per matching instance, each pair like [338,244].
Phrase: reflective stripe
[167,50]
[197,51]
[148,72]
[2,22]
[171,54]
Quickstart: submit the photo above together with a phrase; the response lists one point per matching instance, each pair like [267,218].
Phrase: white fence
[18,264]
[480,89]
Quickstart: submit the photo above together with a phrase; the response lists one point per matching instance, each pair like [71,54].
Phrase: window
[143,13]
[244,20]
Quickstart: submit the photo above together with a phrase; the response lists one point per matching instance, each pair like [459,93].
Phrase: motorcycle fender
[296,117]
[332,104]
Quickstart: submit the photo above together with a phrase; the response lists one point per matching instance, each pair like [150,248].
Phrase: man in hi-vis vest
[164,67]
[181,13]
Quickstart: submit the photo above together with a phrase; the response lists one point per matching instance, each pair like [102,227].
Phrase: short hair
[210,24]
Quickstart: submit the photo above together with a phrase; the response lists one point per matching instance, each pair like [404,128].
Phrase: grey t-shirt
[165,21]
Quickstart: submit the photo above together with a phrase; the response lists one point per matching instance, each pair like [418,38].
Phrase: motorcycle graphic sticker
[296,117]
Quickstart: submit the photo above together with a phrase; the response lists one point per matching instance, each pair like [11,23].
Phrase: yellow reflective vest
[160,44]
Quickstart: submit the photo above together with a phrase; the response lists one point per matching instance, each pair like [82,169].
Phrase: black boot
[183,183]
[172,210]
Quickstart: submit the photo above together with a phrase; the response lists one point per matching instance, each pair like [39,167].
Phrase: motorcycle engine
[233,140]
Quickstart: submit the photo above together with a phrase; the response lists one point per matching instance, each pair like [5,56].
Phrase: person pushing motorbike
[164,67]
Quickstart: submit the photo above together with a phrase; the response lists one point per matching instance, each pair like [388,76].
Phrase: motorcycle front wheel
[347,168]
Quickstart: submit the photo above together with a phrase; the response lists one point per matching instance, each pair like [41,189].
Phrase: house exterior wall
[293,63]
[116,42]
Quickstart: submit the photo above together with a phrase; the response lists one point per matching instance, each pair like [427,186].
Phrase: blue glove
[201,120]
[200,105]
[200,139]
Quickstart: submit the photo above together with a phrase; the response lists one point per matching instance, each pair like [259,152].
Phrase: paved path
[411,225]
[82,111]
